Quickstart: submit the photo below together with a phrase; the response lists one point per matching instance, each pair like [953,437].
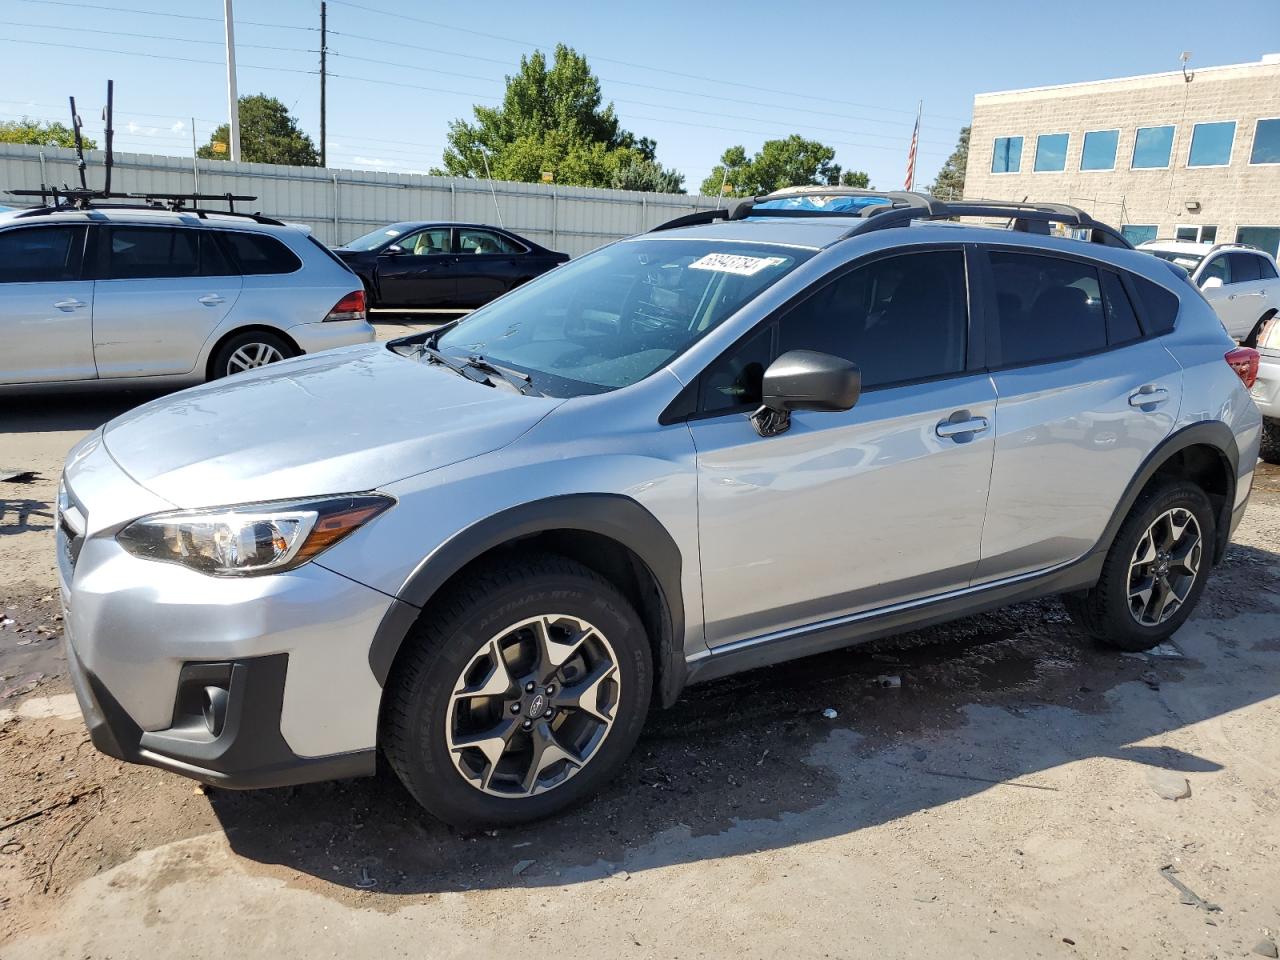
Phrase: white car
[1241,282]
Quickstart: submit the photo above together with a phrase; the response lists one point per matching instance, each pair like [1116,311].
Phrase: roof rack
[173,203]
[901,207]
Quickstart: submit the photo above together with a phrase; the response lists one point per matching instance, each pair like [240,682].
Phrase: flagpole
[915,140]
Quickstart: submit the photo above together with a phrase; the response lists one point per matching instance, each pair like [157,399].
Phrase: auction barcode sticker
[735,263]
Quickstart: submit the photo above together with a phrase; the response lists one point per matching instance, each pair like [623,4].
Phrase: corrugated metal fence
[341,204]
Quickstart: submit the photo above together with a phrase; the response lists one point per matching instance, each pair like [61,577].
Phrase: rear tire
[1137,605]
[248,351]
[557,626]
[1270,450]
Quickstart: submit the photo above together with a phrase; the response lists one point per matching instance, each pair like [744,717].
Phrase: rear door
[1085,394]
[1247,295]
[417,271]
[487,266]
[46,309]
[162,291]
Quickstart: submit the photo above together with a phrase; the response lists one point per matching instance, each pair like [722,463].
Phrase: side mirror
[395,250]
[1210,283]
[805,380]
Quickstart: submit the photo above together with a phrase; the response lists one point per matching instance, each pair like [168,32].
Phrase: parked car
[485,551]
[1266,390]
[1240,281]
[145,295]
[419,267]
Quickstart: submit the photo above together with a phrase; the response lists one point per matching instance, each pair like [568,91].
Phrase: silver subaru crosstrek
[113,295]
[744,437]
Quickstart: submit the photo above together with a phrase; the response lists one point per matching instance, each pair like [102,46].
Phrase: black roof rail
[154,204]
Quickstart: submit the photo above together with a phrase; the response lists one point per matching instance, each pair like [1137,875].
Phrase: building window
[1051,152]
[1211,144]
[1264,238]
[1138,233]
[1266,142]
[1099,150]
[1205,233]
[1152,148]
[1006,156]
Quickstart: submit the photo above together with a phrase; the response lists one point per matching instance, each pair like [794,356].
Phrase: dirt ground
[1004,800]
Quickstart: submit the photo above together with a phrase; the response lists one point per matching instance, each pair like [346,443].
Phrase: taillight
[1244,361]
[351,307]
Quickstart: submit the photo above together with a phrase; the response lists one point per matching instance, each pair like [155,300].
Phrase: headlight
[251,538]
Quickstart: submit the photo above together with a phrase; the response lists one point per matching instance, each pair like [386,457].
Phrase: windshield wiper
[435,356]
[521,382]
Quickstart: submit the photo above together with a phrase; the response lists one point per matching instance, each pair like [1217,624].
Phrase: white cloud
[373,161]
[132,127]
[178,127]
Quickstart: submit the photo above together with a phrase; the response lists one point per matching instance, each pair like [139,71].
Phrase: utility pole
[233,100]
[323,50]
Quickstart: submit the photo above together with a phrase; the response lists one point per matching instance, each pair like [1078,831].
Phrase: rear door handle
[69,304]
[951,429]
[212,299]
[1148,396]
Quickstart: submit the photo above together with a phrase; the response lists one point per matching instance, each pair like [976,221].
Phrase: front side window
[41,254]
[1049,308]
[1006,155]
[1152,148]
[424,243]
[1211,144]
[611,318]
[485,241]
[1218,268]
[1099,150]
[1137,233]
[135,253]
[1266,142]
[1051,152]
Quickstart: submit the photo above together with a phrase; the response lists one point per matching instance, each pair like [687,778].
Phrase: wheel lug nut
[549,714]
[515,708]
[528,687]
[551,689]
[527,724]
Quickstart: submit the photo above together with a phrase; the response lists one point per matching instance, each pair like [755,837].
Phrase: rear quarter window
[259,254]
[1159,306]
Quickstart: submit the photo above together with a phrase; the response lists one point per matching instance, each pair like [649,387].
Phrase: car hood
[337,422]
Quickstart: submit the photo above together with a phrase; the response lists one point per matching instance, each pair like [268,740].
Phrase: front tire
[1154,572]
[519,693]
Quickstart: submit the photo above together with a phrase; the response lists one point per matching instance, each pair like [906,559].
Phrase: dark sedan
[416,267]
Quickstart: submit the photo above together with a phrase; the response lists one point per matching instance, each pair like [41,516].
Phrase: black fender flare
[1208,433]
[611,515]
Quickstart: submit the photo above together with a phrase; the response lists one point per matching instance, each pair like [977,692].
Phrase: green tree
[855,178]
[41,134]
[792,162]
[267,135]
[553,120]
[949,184]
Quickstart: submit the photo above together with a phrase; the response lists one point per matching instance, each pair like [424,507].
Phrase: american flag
[911,154]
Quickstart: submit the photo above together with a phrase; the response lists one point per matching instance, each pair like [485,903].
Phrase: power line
[152,36]
[164,13]
[150,56]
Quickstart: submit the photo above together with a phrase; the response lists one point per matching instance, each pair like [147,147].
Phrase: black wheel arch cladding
[613,516]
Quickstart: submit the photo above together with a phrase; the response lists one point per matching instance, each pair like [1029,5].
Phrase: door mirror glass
[805,380]
[1210,283]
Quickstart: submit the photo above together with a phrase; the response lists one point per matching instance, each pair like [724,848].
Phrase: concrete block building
[1194,156]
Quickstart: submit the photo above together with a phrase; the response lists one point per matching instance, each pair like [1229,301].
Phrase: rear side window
[1159,306]
[1049,308]
[41,254]
[1266,270]
[136,253]
[258,254]
[485,241]
[1244,267]
[1122,322]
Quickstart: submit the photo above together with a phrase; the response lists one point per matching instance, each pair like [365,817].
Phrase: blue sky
[697,77]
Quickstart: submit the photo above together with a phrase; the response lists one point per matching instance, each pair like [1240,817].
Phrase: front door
[162,292]
[487,266]
[46,310]
[1084,399]
[850,511]
[416,272]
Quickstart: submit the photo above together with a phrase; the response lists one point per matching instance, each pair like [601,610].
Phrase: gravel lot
[1005,800]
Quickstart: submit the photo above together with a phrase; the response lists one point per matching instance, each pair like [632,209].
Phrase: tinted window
[1051,152]
[485,241]
[426,243]
[1138,233]
[1266,142]
[900,318]
[154,252]
[1244,267]
[1099,150]
[1266,270]
[736,377]
[1211,144]
[41,254]
[257,253]
[1048,308]
[1159,306]
[1122,322]
[1006,155]
[1152,147]
[1217,267]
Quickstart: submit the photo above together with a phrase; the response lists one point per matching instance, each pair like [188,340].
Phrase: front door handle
[950,429]
[212,299]
[1148,396]
[69,304]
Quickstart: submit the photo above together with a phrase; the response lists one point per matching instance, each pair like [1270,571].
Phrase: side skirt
[870,625]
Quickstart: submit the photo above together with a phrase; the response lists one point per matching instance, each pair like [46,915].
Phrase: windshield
[838,203]
[613,317]
[1188,261]
[371,241]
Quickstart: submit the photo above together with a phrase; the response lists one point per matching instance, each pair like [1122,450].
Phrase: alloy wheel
[252,355]
[1164,567]
[533,706]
